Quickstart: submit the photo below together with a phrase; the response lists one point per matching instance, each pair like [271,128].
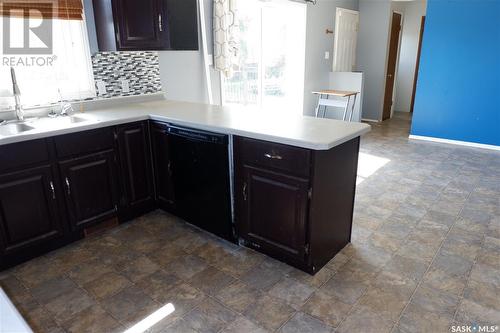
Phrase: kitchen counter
[10,319]
[284,184]
[278,127]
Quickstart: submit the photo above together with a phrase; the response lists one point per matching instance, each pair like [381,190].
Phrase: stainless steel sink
[73,119]
[70,119]
[15,128]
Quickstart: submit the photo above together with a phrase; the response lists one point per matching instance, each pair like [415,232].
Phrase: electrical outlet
[327,55]
[101,87]
[125,86]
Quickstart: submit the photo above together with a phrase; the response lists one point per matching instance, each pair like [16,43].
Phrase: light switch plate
[327,55]
[101,87]
[125,86]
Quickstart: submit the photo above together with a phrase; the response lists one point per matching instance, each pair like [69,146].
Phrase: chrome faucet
[66,108]
[17,96]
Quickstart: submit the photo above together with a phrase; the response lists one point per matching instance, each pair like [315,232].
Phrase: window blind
[46,9]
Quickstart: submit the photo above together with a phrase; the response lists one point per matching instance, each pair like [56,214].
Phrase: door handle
[51,185]
[389,75]
[68,187]
[160,23]
[244,191]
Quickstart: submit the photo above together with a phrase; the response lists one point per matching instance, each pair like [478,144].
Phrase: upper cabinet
[140,25]
[131,25]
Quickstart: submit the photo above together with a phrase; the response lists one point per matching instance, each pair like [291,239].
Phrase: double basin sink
[19,127]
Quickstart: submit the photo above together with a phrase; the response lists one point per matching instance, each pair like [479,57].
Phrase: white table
[325,101]
[11,320]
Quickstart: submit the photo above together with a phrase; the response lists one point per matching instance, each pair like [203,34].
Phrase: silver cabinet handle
[245,191]
[68,187]
[51,184]
[169,168]
[274,156]
[160,23]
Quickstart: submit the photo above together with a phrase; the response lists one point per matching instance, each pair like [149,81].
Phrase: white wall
[413,12]
[317,69]
[374,21]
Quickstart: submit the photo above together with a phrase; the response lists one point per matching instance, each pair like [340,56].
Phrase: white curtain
[225,26]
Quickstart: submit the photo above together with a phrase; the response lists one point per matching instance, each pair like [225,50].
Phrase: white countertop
[280,127]
[10,319]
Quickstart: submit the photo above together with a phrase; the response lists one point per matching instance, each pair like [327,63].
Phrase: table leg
[352,109]
[325,107]
[344,117]
[318,106]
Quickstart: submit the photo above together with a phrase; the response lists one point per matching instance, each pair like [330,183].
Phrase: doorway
[392,61]
[417,64]
[345,40]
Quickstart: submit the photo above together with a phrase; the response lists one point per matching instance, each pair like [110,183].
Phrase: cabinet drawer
[278,156]
[84,142]
[16,155]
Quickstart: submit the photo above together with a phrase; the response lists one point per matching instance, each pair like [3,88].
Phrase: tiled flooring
[425,255]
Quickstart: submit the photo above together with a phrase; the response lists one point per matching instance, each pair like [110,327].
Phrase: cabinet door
[182,18]
[140,24]
[136,170]
[272,212]
[90,188]
[162,166]
[28,209]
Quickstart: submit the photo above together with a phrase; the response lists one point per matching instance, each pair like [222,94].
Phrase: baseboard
[455,142]
[370,120]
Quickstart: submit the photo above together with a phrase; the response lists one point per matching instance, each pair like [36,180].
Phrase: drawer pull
[51,184]
[68,188]
[274,156]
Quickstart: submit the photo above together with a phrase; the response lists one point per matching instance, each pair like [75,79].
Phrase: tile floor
[425,254]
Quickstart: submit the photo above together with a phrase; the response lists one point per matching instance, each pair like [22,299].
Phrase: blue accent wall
[458,89]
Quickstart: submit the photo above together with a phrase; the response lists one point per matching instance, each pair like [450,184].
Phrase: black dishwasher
[200,175]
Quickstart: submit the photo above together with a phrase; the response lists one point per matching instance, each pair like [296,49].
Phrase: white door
[345,40]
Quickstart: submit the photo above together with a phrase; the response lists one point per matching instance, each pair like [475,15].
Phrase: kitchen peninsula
[285,183]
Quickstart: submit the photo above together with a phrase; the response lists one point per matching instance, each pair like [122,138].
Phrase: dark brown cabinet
[133,25]
[182,19]
[137,195]
[90,188]
[162,166]
[291,203]
[28,209]
[294,204]
[274,212]
[140,24]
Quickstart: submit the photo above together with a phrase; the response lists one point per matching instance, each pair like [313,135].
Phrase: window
[67,68]
[270,72]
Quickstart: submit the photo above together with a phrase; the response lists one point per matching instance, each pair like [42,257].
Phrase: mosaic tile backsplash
[141,69]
